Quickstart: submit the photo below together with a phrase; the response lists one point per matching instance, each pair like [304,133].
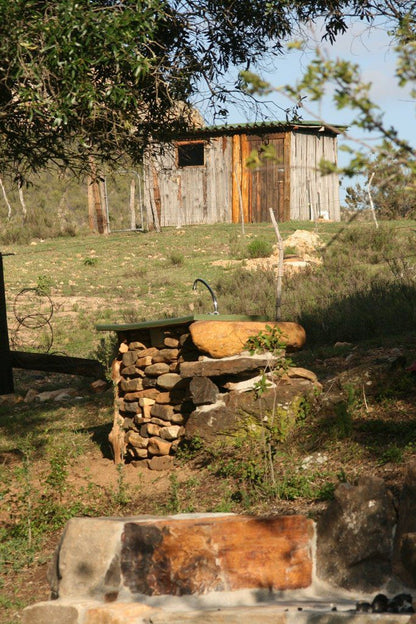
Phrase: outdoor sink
[181,320]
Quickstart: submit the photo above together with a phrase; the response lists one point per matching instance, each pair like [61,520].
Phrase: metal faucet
[214,299]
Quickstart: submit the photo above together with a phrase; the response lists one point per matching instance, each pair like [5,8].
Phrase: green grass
[363,290]
[365,284]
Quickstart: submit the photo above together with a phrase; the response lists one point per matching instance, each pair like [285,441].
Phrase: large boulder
[404,554]
[111,558]
[236,411]
[226,338]
[355,536]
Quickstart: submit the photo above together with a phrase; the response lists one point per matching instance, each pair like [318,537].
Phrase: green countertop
[182,320]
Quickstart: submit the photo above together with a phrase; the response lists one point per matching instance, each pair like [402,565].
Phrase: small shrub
[44,285]
[91,261]
[393,455]
[176,258]
[259,248]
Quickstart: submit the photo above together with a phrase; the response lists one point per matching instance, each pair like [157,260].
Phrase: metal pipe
[214,298]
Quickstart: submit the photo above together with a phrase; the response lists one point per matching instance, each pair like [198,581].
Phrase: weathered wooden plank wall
[313,195]
[223,188]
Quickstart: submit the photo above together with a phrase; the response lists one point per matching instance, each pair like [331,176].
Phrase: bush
[259,248]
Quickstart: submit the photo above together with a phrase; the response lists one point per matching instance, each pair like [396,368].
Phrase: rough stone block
[168,381]
[157,446]
[112,558]
[154,370]
[355,536]
[197,555]
[165,412]
[136,440]
[171,433]
[166,355]
[120,613]
[129,358]
[131,385]
[225,366]
[51,613]
[226,338]
[203,391]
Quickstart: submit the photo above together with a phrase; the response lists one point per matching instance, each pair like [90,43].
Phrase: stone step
[90,612]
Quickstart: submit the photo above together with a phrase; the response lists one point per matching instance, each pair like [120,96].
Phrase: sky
[372,50]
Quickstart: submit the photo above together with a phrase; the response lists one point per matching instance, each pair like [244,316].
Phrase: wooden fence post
[6,371]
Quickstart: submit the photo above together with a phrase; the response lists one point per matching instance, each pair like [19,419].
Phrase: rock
[404,553]
[144,361]
[149,382]
[138,453]
[157,446]
[98,386]
[306,243]
[171,342]
[151,351]
[163,462]
[131,385]
[56,395]
[149,430]
[226,366]
[247,385]
[165,412]
[100,557]
[119,613]
[123,347]
[136,440]
[226,338]
[231,553]
[146,405]
[168,380]
[154,370]
[52,613]
[208,422]
[30,395]
[355,536]
[131,371]
[171,433]
[234,409]
[131,406]
[151,393]
[166,355]
[203,391]
[177,418]
[163,398]
[136,346]
[303,373]
[129,358]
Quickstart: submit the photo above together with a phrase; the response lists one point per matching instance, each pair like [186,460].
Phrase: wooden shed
[203,178]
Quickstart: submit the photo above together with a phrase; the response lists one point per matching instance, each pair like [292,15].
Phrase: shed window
[191,154]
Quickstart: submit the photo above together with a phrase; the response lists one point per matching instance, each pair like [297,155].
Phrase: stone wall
[168,385]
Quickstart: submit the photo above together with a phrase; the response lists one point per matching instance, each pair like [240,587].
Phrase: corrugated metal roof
[261,127]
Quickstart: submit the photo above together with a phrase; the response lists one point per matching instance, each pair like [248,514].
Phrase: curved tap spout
[214,298]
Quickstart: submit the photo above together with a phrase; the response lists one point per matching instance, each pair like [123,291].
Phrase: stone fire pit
[185,377]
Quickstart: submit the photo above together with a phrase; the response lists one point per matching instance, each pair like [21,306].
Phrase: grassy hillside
[358,308]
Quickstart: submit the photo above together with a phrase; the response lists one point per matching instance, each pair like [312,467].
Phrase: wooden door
[266,184]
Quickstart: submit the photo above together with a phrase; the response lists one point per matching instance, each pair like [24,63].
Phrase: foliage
[393,161]
[365,287]
[392,188]
[268,340]
[259,248]
[82,78]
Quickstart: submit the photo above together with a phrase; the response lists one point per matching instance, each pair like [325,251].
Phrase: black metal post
[6,370]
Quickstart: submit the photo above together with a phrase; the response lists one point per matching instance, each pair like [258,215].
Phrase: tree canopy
[100,78]
[390,164]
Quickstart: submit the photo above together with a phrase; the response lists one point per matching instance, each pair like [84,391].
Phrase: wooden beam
[6,373]
[57,364]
